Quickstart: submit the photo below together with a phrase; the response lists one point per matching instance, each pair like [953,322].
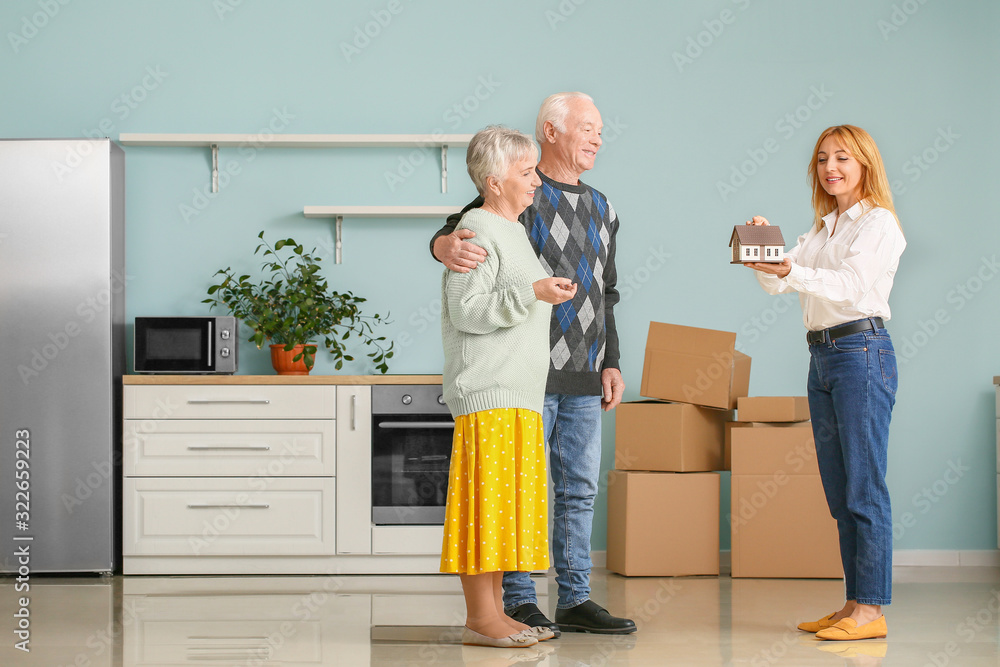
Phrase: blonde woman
[495,329]
[843,270]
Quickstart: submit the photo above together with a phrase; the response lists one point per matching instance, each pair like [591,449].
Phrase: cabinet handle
[236,653]
[205,448]
[211,506]
[416,425]
[227,400]
[354,412]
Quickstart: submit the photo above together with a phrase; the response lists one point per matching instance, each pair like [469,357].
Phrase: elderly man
[572,227]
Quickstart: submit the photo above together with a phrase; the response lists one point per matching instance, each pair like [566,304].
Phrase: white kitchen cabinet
[354,445]
[258,475]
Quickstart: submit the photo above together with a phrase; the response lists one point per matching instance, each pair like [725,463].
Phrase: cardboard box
[780,524]
[669,437]
[781,527]
[765,451]
[690,365]
[663,524]
[727,448]
[773,409]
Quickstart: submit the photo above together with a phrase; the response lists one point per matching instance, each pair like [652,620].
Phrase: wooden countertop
[281,379]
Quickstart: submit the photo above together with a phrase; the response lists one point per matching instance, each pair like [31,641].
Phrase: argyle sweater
[573,229]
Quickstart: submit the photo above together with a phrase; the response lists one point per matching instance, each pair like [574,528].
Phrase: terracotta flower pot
[282,361]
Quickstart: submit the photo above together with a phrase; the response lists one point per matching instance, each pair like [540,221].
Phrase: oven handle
[448,425]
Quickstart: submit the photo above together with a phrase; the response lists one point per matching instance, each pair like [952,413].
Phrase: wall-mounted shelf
[216,141]
[338,213]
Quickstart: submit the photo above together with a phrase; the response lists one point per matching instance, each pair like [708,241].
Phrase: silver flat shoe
[517,640]
[541,633]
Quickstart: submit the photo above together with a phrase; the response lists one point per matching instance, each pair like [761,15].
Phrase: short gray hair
[554,109]
[491,152]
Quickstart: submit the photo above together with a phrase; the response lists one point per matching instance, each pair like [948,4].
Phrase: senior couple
[531,357]
[535,253]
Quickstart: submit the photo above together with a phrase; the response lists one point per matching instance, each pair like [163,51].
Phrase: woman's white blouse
[846,276]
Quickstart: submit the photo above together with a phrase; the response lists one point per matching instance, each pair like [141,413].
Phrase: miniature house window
[768,252]
[755,253]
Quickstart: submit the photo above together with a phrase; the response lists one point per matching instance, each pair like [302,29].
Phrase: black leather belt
[819,337]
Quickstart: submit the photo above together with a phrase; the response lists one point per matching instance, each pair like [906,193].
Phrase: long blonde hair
[875,188]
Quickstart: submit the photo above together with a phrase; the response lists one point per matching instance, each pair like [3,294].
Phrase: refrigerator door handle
[204,401]
[213,506]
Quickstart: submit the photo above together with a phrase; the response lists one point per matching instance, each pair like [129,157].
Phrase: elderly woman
[495,329]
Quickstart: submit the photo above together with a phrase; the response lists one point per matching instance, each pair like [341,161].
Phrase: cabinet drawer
[230,447]
[236,516]
[230,402]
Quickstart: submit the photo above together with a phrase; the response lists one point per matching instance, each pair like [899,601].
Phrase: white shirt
[846,276]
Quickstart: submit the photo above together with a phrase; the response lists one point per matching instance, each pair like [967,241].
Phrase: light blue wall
[909,71]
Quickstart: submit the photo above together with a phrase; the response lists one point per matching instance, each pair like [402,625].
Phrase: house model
[757,243]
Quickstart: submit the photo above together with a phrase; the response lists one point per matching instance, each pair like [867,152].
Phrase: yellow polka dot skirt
[496,519]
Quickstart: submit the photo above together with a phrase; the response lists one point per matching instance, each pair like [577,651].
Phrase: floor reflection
[940,616]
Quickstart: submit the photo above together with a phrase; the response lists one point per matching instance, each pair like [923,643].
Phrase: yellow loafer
[847,629]
[816,626]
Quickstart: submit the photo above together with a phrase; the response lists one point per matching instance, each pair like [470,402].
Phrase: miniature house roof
[757,235]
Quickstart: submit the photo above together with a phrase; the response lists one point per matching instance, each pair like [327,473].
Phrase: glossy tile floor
[941,616]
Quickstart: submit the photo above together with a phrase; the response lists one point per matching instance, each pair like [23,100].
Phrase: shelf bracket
[338,239]
[215,167]
[444,167]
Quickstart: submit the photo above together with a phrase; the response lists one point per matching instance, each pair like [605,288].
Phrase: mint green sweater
[495,332]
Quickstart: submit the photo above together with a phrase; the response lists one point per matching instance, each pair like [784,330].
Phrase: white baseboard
[900,558]
[946,557]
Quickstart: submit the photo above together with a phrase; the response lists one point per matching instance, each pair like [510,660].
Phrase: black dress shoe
[592,617]
[532,616]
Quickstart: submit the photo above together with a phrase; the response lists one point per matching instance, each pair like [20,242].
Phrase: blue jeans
[573,431]
[852,388]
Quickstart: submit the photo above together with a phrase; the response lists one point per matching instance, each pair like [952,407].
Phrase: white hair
[491,152]
[554,110]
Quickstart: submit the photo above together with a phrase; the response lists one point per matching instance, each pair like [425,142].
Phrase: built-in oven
[411,452]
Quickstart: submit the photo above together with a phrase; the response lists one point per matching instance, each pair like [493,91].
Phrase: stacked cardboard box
[663,497]
[780,523]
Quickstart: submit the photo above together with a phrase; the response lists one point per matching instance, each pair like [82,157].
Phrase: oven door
[411,455]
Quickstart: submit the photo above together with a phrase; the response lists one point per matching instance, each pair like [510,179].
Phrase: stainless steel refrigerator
[62,331]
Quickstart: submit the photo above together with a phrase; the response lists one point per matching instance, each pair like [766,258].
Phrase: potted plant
[293,308]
